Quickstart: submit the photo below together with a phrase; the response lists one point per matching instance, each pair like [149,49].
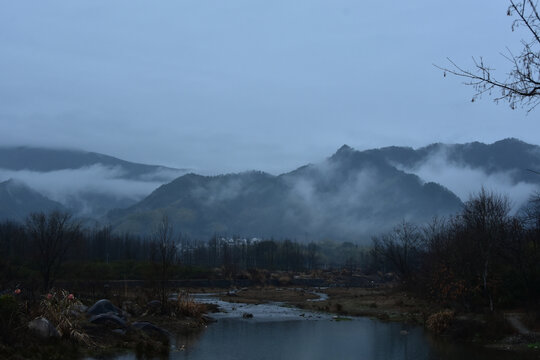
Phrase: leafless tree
[164,256]
[486,217]
[400,248]
[52,235]
[522,83]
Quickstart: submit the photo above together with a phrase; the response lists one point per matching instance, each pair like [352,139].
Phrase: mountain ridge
[293,204]
[81,180]
[350,195]
[42,159]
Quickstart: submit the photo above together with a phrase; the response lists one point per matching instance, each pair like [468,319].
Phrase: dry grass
[383,303]
[187,306]
[62,309]
[440,321]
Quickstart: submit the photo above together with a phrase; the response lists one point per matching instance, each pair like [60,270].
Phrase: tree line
[50,246]
[482,257]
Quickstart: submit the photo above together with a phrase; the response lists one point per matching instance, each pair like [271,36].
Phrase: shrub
[187,306]
[440,321]
[285,280]
[63,310]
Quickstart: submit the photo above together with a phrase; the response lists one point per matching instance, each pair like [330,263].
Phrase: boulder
[109,319]
[153,306]
[104,306]
[43,328]
[150,328]
[247,315]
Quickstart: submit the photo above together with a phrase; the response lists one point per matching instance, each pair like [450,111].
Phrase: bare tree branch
[522,85]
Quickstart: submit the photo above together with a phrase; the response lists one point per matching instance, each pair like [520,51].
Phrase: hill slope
[17,201]
[349,196]
[46,160]
[88,184]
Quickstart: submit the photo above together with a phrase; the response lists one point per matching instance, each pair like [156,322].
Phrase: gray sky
[245,84]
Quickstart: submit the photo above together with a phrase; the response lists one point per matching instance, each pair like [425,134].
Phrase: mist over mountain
[48,160]
[349,196]
[88,184]
[504,166]
[17,201]
[507,155]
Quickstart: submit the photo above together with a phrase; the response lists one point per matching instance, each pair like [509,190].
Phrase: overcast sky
[245,84]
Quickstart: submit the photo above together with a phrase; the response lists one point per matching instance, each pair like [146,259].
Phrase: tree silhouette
[52,235]
[164,256]
[521,87]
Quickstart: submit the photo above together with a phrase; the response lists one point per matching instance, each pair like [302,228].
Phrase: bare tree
[486,218]
[400,248]
[52,235]
[164,256]
[522,83]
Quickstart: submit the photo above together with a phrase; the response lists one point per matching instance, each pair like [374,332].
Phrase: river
[277,332]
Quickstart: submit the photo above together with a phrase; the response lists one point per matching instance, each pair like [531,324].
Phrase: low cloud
[162,175]
[214,193]
[74,186]
[356,208]
[466,181]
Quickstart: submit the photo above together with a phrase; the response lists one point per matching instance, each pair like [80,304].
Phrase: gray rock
[108,319]
[247,315]
[43,328]
[154,304]
[104,306]
[150,328]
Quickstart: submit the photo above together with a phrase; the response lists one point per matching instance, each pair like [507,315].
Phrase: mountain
[46,160]
[511,156]
[17,201]
[509,167]
[86,183]
[349,196]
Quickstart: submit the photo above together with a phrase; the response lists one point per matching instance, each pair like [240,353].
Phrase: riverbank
[384,303]
[389,303]
[60,326]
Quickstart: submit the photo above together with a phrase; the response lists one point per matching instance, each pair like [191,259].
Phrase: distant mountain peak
[344,151]
[510,140]
[345,148]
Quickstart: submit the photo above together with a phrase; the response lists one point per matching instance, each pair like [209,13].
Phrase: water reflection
[283,333]
[356,339]
[324,339]
[186,340]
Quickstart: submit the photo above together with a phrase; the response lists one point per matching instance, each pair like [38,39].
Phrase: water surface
[277,332]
